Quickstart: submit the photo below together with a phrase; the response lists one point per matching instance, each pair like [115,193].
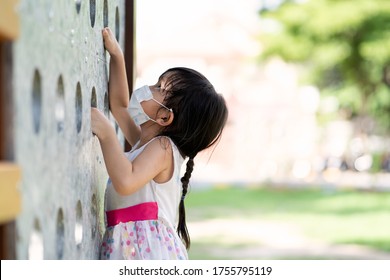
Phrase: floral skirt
[142,240]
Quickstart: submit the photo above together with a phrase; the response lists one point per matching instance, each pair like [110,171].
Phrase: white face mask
[136,111]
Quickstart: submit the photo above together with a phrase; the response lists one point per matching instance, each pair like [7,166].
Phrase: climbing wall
[60,71]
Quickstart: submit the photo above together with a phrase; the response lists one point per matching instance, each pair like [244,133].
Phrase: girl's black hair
[200,114]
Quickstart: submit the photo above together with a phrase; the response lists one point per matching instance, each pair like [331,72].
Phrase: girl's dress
[141,226]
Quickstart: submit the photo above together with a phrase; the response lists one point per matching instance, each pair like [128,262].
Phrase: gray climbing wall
[60,71]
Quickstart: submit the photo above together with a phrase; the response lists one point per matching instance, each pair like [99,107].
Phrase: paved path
[253,239]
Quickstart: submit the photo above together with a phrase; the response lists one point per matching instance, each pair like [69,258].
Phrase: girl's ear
[166,118]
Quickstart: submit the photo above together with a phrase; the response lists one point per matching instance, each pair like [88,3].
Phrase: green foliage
[345,44]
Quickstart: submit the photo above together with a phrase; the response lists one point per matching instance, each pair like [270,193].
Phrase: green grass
[337,217]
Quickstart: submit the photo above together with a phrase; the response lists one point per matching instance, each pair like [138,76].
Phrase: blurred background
[302,170]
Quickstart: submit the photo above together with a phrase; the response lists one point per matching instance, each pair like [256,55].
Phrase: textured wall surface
[60,71]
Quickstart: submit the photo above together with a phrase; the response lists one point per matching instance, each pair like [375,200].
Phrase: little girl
[165,124]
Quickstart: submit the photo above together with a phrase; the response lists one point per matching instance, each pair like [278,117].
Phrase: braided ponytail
[200,114]
[182,227]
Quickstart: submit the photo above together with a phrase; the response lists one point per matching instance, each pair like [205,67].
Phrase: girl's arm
[118,88]
[154,162]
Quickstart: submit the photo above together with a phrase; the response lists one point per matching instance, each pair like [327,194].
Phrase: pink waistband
[139,212]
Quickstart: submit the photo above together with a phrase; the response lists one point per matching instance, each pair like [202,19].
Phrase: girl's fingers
[107,33]
[108,30]
[109,40]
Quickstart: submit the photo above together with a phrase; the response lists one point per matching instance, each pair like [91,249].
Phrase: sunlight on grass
[342,217]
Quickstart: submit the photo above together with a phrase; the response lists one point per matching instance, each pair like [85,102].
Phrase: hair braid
[200,114]
[182,227]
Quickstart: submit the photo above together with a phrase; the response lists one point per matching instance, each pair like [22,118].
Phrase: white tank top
[167,195]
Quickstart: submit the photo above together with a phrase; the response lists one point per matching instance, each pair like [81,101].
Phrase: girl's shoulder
[162,143]
[166,145]
[164,140]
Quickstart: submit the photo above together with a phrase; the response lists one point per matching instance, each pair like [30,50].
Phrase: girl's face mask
[136,111]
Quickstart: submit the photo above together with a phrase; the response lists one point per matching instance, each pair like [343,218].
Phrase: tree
[344,43]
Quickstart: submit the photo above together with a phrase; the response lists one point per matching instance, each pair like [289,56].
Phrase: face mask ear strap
[162,105]
[166,118]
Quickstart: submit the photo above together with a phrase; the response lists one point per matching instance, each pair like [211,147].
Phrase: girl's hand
[110,42]
[100,125]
